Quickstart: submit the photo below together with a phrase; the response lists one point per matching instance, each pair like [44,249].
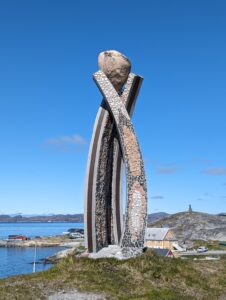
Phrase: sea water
[36,229]
[14,261]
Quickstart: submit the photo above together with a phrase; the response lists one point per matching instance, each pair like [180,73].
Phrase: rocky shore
[53,241]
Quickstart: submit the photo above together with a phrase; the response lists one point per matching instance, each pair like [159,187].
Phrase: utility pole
[34,262]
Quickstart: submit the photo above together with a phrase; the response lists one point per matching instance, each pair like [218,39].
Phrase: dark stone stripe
[134,93]
[118,195]
[90,182]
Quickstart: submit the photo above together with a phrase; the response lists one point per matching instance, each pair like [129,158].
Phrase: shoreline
[49,241]
[50,250]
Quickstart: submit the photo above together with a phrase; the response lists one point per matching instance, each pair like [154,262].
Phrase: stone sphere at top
[115,66]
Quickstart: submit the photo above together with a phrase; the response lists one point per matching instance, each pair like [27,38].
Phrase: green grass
[145,277]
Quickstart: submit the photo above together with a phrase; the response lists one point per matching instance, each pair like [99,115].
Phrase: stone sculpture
[114,142]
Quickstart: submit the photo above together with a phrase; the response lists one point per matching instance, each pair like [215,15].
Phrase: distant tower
[190,209]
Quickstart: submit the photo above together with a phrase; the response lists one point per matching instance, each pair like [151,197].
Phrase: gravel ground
[75,295]
[116,252]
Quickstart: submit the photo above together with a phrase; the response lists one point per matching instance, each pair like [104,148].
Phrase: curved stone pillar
[136,207]
[103,214]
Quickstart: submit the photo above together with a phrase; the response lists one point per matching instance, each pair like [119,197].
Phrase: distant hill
[156,216]
[195,226]
[187,226]
[77,218]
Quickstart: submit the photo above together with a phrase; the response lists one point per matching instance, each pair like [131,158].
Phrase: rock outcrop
[195,226]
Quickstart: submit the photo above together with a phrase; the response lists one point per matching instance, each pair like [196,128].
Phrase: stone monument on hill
[113,143]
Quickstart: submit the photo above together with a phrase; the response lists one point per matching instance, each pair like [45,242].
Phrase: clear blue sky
[48,100]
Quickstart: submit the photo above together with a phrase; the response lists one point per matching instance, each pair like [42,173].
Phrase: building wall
[167,243]
[169,235]
[159,244]
[154,244]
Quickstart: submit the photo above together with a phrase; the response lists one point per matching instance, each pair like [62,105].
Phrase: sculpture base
[116,252]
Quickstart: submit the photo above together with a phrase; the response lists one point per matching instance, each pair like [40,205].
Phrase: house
[162,238]
[18,237]
[164,252]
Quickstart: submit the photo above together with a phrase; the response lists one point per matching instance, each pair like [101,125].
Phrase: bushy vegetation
[145,277]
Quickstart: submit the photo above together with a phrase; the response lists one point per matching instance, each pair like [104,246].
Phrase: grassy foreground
[145,277]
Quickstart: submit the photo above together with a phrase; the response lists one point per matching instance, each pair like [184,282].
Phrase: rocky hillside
[195,226]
